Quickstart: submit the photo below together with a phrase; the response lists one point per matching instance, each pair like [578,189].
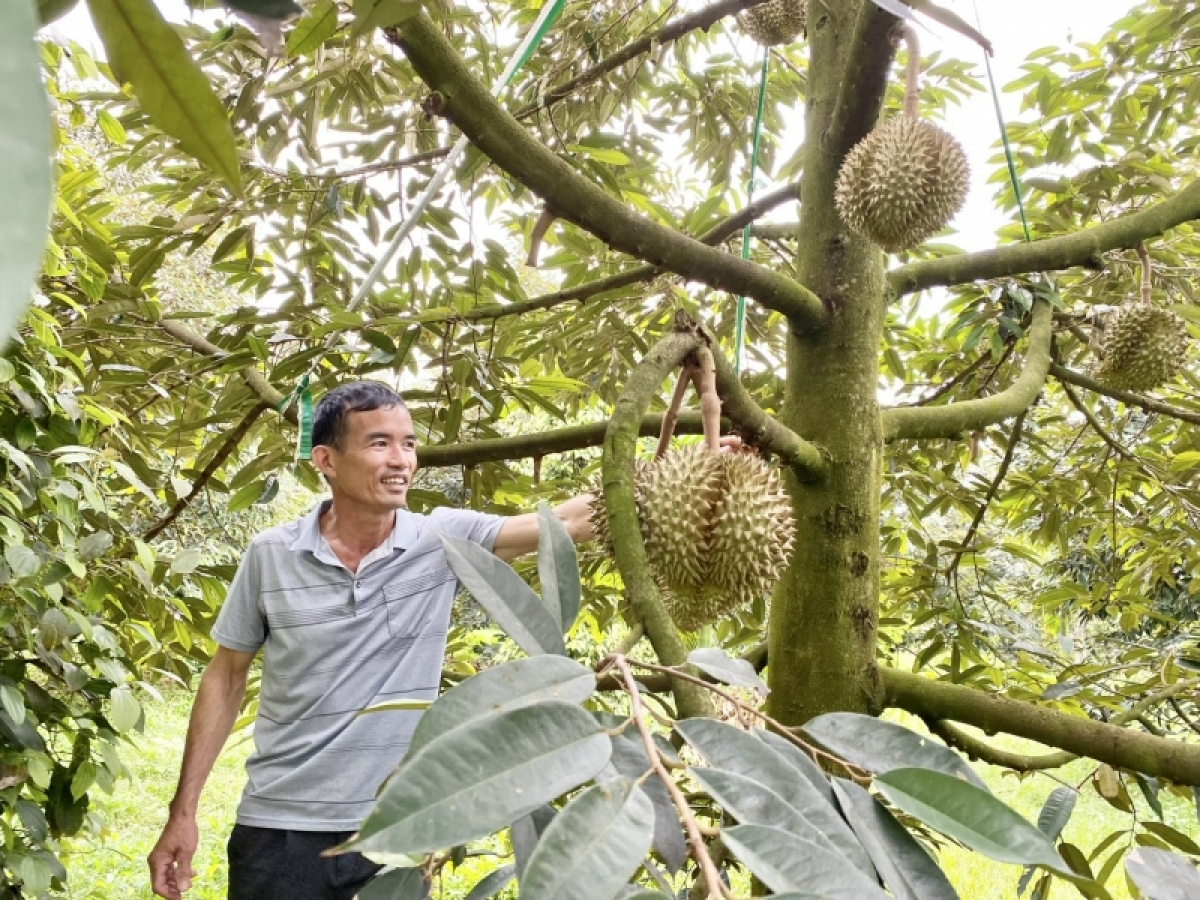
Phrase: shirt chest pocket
[419,605]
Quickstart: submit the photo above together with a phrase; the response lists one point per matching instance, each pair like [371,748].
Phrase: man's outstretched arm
[214,711]
[520,533]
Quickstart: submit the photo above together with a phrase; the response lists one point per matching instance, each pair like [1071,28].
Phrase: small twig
[912,81]
[695,837]
[704,376]
[636,633]
[1144,254]
[667,431]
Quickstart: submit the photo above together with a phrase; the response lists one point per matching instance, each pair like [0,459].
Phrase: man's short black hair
[329,418]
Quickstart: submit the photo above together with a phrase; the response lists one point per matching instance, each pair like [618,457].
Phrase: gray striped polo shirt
[333,643]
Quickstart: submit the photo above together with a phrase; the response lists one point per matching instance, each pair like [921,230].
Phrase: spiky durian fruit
[1143,347]
[902,183]
[775,22]
[718,530]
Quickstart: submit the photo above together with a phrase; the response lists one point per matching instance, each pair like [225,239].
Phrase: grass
[115,867]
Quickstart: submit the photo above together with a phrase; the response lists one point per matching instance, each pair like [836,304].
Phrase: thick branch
[723,230]
[620,448]
[864,84]
[523,446]
[501,137]
[668,34]
[762,430]
[255,380]
[776,231]
[1078,249]
[996,756]
[1119,747]
[955,418]
[1068,376]
[231,442]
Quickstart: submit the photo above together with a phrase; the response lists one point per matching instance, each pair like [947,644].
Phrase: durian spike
[667,431]
[705,379]
[1145,257]
[912,81]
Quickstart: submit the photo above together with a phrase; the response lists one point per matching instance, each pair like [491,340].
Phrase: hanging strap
[740,332]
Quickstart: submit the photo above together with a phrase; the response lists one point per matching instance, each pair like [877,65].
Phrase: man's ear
[322,459]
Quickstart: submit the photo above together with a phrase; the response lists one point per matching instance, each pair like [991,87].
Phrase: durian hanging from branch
[906,179]
[717,525]
[1144,345]
[775,22]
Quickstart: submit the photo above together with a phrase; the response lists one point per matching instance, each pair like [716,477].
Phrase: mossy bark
[825,611]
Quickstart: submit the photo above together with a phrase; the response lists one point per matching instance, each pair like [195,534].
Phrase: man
[351,605]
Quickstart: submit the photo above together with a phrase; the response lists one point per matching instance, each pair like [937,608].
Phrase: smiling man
[350,606]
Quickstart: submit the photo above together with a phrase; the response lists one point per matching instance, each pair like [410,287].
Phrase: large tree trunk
[825,611]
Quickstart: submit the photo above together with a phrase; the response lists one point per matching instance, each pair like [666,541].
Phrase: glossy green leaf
[476,780]
[492,883]
[505,597]
[124,710]
[398,884]
[317,26]
[880,746]
[21,560]
[720,665]
[1160,875]
[970,815]
[25,181]
[1056,812]
[750,803]
[144,51]
[732,749]
[798,759]
[370,14]
[13,703]
[905,867]
[629,759]
[525,833]
[785,862]
[512,685]
[593,846]
[558,568]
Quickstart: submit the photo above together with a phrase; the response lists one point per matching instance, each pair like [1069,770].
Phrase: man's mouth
[396,479]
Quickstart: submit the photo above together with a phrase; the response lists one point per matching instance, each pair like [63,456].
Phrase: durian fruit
[902,183]
[1143,347]
[775,22]
[905,180]
[718,530]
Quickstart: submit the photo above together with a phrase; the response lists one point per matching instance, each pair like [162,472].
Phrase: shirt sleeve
[240,624]
[476,527]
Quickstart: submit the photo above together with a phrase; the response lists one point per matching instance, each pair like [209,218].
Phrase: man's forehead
[385,418]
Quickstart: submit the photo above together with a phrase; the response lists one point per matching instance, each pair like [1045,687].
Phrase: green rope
[1008,155]
[739,337]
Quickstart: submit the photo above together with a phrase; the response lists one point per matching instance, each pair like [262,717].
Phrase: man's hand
[171,859]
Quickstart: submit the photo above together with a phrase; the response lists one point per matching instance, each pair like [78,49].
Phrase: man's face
[377,460]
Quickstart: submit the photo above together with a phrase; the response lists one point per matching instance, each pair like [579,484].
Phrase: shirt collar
[404,532]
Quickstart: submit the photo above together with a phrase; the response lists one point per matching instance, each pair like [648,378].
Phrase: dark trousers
[272,864]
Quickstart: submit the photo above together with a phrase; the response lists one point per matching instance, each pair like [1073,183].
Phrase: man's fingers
[162,876]
[731,443]
[183,871]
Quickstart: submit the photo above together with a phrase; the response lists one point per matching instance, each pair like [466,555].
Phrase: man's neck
[353,532]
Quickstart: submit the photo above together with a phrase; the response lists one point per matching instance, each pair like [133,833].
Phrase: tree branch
[1081,248]
[231,442]
[620,448]
[763,430]
[864,84]
[776,231]
[982,750]
[722,231]
[955,418]
[1108,743]
[496,133]
[1069,376]
[703,18]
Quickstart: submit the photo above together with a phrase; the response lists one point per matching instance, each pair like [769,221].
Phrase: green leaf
[785,862]
[499,689]
[732,749]
[124,710]
[720,665]
[146,52]
[1149,789]
[593,845]
[246,496]
[970,815]
[905,866]
[95,545]
[525,833]
[629,759]
[473,781]
[798,759]
[601,154]
[267,9]
[186,561]
[52,10]
[558,568]
[398,884]
[25,180]
[13,702]
[505,597]
[880,747]
[1160,875]
[21,560]
[1056,812]
[492,883]
[370,14]
[317,26]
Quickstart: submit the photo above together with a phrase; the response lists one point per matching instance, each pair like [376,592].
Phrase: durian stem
[672,414]
[1145,257]
[705,378]
[912,80]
